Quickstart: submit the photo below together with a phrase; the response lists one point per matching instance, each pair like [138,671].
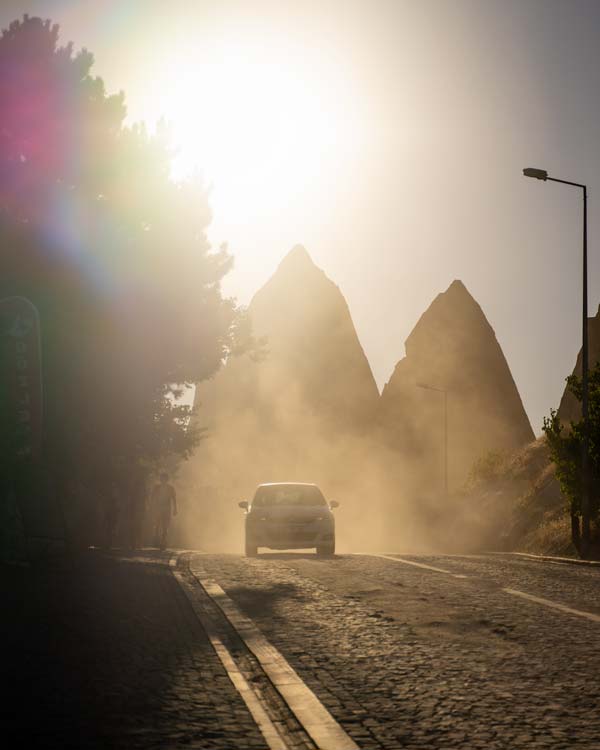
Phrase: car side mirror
[243,504]
[334,504]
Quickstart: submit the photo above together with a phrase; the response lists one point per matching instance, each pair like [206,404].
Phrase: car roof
[287,484]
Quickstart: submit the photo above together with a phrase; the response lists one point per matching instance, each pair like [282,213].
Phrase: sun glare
[262,126]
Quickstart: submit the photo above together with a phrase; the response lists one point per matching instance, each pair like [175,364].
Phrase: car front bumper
[281,535]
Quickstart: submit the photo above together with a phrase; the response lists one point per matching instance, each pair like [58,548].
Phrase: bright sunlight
[262,125]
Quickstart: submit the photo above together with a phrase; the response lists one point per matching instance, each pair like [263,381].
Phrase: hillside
[452,348]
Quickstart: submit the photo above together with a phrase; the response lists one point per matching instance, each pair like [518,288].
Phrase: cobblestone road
[409,658]
[109,654]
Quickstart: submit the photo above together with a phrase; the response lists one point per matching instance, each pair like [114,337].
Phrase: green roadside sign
[21,375]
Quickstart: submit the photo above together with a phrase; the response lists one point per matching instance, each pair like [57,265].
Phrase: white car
[289,515]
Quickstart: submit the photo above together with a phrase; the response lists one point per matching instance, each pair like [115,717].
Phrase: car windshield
[286,495]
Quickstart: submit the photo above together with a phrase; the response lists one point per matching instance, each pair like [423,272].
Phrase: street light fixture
[541,174]
[445,392]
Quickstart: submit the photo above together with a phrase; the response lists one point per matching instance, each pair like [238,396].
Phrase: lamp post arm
[430,388]
[566,182]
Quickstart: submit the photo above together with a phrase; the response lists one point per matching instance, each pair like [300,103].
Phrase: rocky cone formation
[315,363]
[570,409]
[452,348]
[310,411]
[303,412]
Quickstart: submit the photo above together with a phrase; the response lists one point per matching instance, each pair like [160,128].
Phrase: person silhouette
[164,500]
[136,506]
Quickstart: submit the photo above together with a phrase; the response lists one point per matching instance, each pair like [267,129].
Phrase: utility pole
[445,392]
[541,174]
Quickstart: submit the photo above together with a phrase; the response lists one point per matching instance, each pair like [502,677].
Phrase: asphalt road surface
[474,651]
[295,652]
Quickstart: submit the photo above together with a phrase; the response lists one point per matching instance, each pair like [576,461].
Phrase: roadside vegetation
[114,255]
[565,444]
[514,497]
[531,500]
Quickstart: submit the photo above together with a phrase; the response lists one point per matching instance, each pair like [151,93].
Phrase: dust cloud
[309,411]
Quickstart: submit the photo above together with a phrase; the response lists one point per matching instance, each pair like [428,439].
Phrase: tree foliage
[112,252]
[491,467]
[565,443]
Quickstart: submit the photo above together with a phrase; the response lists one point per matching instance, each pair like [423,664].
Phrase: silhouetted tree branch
[113,253]
[565,443]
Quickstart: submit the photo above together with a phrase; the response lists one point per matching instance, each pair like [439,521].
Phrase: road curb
[314,718]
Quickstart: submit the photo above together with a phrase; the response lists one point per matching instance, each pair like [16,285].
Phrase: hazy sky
[388,137]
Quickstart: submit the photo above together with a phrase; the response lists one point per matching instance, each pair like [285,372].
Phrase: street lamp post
[541,174]
[445,392]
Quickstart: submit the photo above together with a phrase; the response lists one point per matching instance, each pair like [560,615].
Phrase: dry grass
[551,537]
